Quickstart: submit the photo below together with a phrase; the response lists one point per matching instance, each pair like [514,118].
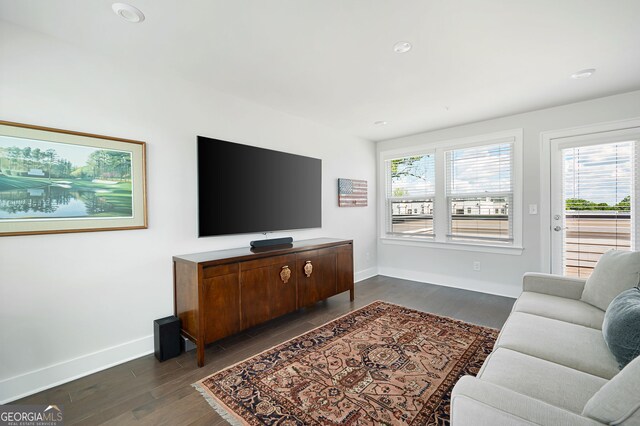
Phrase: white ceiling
[332,61]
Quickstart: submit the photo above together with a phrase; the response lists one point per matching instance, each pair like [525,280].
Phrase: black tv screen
[244,189]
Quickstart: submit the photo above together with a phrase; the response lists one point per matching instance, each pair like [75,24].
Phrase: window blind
[598,181]
[479,192]
[480,170]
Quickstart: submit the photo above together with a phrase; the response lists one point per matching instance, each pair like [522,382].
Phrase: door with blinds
[594,187]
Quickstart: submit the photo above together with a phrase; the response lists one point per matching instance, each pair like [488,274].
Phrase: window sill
[485,248]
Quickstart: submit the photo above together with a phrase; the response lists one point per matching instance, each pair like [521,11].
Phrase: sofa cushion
[571,345]
[615,272]
[477,402]
[540,379]
[621,327]
[618,402]
[560,308]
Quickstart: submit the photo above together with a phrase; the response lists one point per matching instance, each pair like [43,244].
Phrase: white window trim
[441,212]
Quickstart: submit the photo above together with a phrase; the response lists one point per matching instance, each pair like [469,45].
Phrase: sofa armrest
[475,402]
[554,285]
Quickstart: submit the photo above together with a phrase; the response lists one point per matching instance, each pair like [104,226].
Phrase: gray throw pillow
[615,272]
[621,326]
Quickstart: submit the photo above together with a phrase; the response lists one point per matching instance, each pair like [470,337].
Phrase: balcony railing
[412,224]
[463,225]
[589,234]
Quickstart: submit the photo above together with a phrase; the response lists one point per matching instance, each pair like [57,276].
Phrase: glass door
[592,182]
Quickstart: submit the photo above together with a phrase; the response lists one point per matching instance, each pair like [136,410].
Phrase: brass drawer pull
[308,268]
[285,274]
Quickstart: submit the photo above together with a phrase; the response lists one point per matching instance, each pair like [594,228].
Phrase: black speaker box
[271,242]
[166,336]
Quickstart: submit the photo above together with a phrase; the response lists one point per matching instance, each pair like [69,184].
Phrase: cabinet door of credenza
[221,297]
[254,285]
[283,295]
[318,281]
[263,292]
[345,267]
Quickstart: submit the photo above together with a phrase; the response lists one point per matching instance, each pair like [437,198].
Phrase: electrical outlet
[476,266]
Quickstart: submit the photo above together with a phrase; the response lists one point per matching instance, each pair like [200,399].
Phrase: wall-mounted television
[244,189]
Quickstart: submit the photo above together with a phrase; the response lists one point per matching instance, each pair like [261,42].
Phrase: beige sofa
[550,366]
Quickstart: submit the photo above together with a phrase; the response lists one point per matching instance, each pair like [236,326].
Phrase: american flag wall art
[352,193]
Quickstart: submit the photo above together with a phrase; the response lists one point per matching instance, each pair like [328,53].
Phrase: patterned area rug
[381,364]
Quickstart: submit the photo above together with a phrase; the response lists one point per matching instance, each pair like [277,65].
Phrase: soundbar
[271,242]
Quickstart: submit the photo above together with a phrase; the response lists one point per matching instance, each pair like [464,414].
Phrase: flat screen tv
[244,189]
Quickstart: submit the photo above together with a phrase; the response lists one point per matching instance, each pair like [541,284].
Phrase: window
[460,193]
[480,177]
[410,186]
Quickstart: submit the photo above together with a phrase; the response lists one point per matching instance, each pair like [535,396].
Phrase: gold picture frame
[59,181]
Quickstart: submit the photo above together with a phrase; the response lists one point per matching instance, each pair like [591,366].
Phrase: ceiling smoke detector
[128,12]
[583,73]
[402,47]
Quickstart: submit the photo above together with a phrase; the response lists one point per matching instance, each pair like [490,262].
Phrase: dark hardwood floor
[145,391]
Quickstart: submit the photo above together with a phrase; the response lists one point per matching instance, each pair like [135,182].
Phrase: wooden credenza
[219,293]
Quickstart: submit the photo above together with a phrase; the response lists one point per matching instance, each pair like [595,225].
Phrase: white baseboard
[456,282]
[41,379]
[38,380]
[366,273]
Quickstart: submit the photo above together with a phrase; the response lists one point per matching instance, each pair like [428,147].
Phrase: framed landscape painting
[54,181]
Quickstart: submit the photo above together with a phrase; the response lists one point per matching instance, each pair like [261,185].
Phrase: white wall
[500,273]
[74,303]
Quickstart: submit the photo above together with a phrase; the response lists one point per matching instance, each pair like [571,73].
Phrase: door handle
[285,274]
[308,268]
[558,228]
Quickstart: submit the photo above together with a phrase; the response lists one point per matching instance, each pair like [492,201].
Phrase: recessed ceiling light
[380,123]
[402,47]
[128,12]
[583,73]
